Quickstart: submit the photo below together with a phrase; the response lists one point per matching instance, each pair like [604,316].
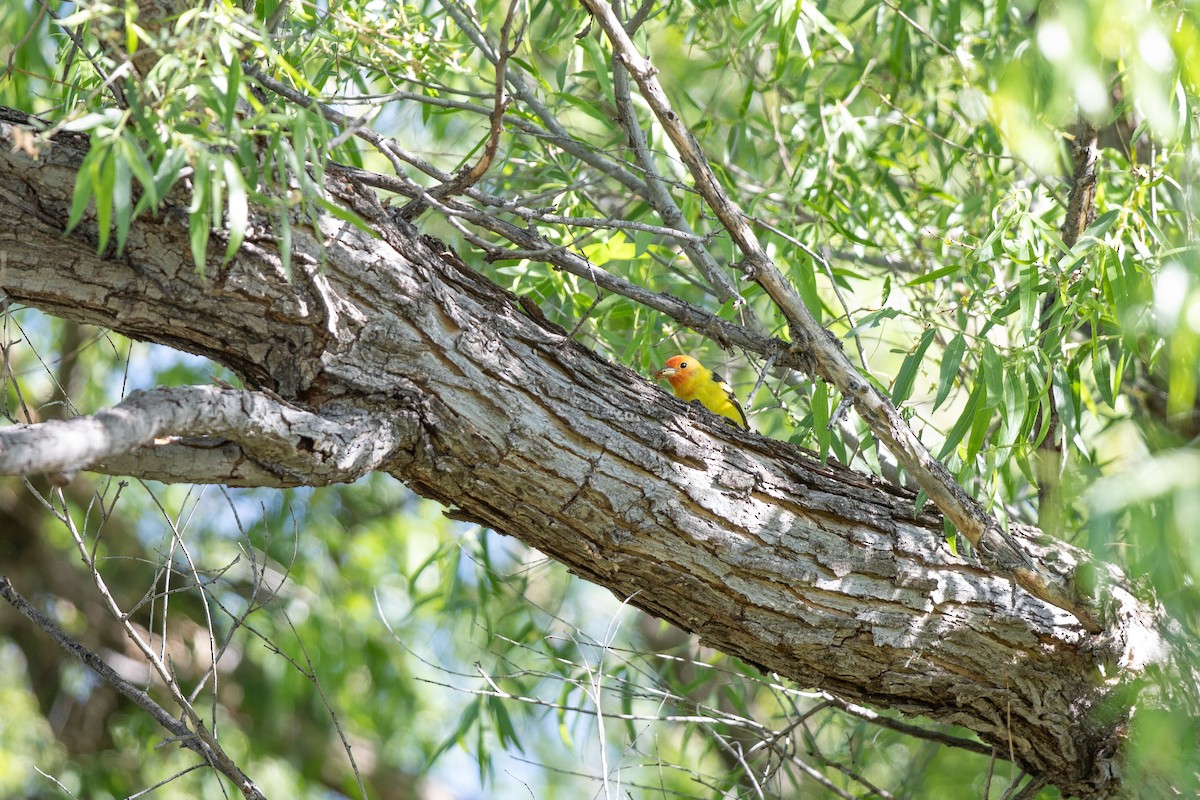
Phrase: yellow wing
[718,397]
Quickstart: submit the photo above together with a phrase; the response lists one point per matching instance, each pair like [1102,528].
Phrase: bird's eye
[683,365]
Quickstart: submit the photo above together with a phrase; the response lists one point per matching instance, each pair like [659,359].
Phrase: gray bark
[390,354]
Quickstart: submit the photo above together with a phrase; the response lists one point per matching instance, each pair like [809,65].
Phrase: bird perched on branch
[692,381]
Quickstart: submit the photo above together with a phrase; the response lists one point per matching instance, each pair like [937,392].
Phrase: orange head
[681,372]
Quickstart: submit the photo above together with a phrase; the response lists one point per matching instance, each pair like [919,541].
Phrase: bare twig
[311,674]
[177,541]
[919,28]
[917,731]
[657,195]
[109,79]
[467,177]
[165,781]
[817,258]
[1030,790]
[583,317]
[645,9]
[734,750]
[762,376]
[212,750]
[194,740]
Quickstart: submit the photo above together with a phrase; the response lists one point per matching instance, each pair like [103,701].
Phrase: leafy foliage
[908,166]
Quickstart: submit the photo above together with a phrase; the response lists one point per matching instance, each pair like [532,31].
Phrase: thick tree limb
[205,434]
[809,570]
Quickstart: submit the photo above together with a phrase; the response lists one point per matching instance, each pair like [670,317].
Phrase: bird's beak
[665,372]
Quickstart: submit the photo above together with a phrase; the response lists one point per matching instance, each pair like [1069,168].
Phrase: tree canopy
[328,341]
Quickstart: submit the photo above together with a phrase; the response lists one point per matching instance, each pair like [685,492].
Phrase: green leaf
[804,273]
[83,189]
[560,75]
[951,360]
[587,108]
[919,503]
[613,248]
[216,193]
[903,385]
[1101,225]
[820,418]
[169,170]
[1015,398]
[122,197]
[965,422]
[980,423]
[993,373]
[142,171]
[1030,303]
[465,722]
[239,212]
[930,277]
[104,177]
[347,215]
[996,232]
[951,535]
[198,233]
[100,120]
[233,91]
[1102,369]
[199,213]
[871,320]
[1066,381]
[600,67]
[504,726]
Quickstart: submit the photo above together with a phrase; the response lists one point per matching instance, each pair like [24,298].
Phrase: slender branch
[1081,212]
[640,16]
[467,177]
[657,195]
[529,98]
[875,718]
[184,735]
[919,28]
[1029,792]
[689,315]
[734,751]
[311,675]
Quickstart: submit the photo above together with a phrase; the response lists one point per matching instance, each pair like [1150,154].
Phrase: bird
[691,381]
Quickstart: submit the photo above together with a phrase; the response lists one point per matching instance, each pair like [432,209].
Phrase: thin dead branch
[198,740]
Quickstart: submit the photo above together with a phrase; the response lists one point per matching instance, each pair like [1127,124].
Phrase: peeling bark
[807,570]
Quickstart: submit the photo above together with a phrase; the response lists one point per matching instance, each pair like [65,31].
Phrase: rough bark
[808,570]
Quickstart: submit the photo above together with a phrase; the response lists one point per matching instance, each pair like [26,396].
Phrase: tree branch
[1081,212]
[193,740]
[149,435]
[811,571]
[661,200]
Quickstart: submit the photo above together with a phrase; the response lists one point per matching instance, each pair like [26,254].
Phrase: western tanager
[691,381]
